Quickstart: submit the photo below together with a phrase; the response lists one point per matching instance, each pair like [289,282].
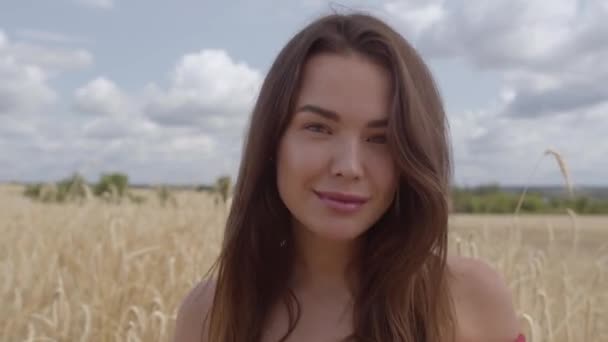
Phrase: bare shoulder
[192,311]
[483,302]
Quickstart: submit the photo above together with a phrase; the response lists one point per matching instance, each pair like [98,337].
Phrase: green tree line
[485,199]
[490,199]
[113,187]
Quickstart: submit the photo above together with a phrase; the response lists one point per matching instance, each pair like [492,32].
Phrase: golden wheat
[98,271]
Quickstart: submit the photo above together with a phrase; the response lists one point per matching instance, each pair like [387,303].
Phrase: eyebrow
[333,116]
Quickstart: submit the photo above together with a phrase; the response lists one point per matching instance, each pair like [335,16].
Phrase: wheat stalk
[532,326]
[162,322]
[563,170]
[575,229]
[86,331]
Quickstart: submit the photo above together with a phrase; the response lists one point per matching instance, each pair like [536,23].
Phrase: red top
[521,338]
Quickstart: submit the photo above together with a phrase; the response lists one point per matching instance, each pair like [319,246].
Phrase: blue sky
[162,90]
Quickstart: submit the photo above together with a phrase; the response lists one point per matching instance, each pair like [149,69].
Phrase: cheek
[385,177]
[298,158]
[297,165]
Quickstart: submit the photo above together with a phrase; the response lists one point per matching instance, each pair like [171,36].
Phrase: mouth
[341,202]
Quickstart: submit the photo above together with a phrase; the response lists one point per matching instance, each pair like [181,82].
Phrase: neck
[324,267]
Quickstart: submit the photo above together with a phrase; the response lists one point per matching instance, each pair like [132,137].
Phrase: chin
[339,232]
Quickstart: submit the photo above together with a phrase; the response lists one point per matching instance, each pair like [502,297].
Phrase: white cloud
[49,36]
[30,127]
[417,16]
[490,146]
[208,90]
[102,97]
[195,122]
[52,58]
[23,88]
[550,57]
[27,100]
[110,113]
[491,33]
[117,128]
[547,51]
[3,40]
[100,4]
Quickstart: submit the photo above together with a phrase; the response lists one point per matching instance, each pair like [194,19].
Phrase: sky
[162,90]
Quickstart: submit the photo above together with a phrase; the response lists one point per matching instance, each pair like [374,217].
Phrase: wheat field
[104,272]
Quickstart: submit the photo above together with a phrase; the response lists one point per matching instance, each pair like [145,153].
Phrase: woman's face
[336,142]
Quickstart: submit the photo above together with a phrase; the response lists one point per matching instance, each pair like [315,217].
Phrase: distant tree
[42,192]
[496,202]
[486,189]
[581,205]
[491,199]
[73,188]
[204,187]
[533,203]
[112,184]
[223,186]
[165,196]
[32,190]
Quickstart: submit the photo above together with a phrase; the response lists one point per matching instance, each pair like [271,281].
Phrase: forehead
[351,85]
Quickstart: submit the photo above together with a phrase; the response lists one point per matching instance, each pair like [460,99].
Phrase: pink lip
[342,202]
[342,197]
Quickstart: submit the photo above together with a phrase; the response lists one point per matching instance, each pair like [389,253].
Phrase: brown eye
[379,139]
[316,128]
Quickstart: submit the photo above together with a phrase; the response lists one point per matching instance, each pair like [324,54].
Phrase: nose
[347,160]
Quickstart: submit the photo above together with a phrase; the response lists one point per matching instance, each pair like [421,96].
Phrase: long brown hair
[404,295]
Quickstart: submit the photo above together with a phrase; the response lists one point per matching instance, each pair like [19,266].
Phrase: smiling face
[336,142]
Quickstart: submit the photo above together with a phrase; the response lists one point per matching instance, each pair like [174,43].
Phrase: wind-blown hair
[404,294]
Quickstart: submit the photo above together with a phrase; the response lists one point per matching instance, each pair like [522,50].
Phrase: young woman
[339,221]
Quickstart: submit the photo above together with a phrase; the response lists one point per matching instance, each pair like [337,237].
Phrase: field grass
[101,272]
